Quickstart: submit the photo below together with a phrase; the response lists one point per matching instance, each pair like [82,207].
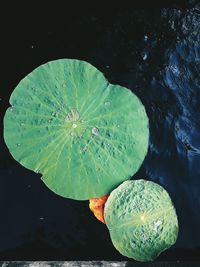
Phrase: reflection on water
[174,111]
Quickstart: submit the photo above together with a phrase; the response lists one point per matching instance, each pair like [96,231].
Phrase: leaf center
[72,116]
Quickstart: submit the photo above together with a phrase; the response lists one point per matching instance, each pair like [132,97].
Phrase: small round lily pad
[141,219]
[83,134]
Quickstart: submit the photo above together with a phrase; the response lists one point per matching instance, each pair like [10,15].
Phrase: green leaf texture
[84,135]
[141,219]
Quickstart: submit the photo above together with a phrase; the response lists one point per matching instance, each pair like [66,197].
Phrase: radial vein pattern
[141,219]
[69,124]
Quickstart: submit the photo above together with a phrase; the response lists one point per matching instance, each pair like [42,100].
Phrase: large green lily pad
[141,219]
[83,134]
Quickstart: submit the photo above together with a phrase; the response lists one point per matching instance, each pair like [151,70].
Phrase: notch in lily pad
[74,128]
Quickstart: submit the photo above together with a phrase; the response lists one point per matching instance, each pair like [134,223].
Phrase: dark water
[154,52]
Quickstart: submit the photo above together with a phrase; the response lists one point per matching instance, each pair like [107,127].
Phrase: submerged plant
[87,136]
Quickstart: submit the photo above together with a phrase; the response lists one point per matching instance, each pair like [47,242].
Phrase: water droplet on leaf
[108,133]
[74,125]
[107,103]
[95,131]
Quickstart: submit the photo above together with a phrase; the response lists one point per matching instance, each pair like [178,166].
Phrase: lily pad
[83,134]
[141,219]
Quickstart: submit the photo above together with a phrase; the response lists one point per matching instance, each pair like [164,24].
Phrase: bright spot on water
[175,70]
[144,55]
